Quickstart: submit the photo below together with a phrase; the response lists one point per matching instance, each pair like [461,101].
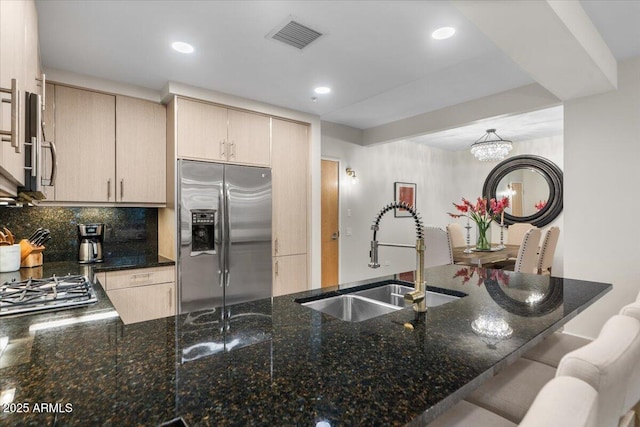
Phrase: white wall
[442,177]
[602,236]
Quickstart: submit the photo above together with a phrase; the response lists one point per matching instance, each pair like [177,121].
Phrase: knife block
[30,256]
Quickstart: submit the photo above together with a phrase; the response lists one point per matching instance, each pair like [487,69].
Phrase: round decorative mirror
[533,185]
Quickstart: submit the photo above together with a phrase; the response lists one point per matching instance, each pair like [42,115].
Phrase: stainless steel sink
[373,302]
[351,308]
[394,294]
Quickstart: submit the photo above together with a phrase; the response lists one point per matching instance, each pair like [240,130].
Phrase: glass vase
[483,237]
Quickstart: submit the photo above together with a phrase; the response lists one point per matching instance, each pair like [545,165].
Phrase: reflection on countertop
[276,362]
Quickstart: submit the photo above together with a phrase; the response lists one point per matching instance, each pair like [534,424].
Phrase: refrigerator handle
[221,238]
[227,239]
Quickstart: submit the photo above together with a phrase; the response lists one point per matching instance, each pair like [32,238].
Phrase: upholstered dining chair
[548,250]
[456,235]
[607,364]
[527,259]
[515,232]
[437,248]
[563,401]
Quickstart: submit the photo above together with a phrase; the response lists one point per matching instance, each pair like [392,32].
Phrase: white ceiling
[377,56]
[522,127]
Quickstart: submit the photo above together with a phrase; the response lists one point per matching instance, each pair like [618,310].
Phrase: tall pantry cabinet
[290,170]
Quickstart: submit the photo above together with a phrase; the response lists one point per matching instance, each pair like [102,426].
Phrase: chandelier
[491,147]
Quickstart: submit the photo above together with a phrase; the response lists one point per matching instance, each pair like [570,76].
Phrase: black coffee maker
[90,237]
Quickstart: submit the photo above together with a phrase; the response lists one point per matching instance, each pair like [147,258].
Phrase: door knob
[335,235]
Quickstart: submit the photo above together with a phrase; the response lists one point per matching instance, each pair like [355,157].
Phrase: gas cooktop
[52,293]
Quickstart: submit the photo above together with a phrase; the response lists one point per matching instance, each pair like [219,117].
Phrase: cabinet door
[142,303]
[201,131]
[248,138]
[140,151]
[12,58]
[85,139]
[289,274]
[290,165]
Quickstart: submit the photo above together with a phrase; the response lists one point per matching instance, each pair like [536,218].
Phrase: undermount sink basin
[352,308]
[394,294]
[356,306]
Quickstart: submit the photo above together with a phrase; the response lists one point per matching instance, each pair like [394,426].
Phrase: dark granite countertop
[275,362]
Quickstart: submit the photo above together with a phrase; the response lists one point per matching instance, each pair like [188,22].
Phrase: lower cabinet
[290,274]
[141,294]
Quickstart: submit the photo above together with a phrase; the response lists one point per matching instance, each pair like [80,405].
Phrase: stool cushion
[554,347]
[466,414]
[511,392]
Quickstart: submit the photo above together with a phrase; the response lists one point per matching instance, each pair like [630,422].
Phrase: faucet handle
[373,254]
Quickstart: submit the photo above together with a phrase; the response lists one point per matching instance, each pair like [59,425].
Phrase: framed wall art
[404,192]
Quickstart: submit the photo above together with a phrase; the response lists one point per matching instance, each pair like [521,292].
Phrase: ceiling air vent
[295,34]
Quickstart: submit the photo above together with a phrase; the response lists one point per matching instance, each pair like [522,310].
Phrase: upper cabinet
[110,149]
[18,60]
[210,132]
[140,151]
[85,135]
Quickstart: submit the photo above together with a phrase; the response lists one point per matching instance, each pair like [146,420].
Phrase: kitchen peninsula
[295,367]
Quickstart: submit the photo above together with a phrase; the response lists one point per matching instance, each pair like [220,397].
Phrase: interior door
[330,226]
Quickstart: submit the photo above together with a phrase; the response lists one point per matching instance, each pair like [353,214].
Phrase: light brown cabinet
[111,149]
[85,134]
[141,294]
[214,133]
[141,140]
[290,274]
[290,171]
[18,60]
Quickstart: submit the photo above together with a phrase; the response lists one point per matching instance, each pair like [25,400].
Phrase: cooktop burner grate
[51,293]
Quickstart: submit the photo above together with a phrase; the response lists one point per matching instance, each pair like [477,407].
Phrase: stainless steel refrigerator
[224,224]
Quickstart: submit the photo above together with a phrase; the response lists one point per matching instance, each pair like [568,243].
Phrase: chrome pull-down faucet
[417,297]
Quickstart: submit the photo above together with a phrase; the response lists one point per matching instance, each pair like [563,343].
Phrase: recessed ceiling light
[182,47]
[443,33]
[322,90]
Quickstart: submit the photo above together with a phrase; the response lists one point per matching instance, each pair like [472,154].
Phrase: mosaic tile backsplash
[128,231]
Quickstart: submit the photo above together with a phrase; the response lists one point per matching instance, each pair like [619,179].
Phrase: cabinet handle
[143,276]
[15,111]
[232,150]
[121,189]
[108,188]
[222,153]
[170,299]
[276,268]
[276,246]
